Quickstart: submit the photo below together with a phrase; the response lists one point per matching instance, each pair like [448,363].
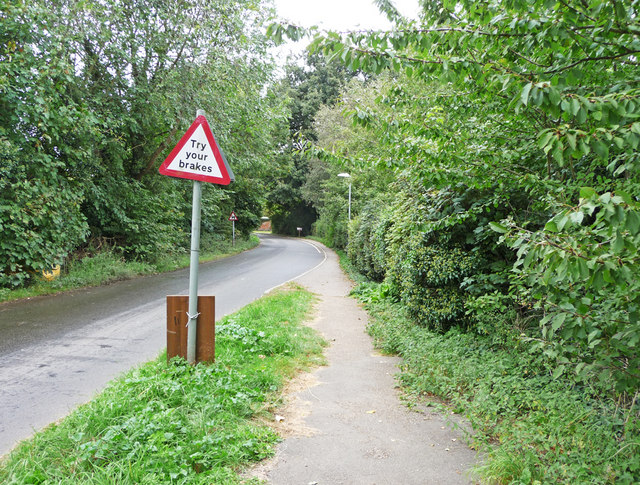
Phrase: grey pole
[349,201]
[193,268]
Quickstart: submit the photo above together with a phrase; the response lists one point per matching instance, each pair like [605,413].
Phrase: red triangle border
[223,180]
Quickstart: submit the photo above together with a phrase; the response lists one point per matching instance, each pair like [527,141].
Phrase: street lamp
[346,175]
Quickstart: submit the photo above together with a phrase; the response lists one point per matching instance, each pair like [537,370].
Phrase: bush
[332,223]
[583,271]
[142,223]
[428,282]
[41,222]
[367,243]
[433,249]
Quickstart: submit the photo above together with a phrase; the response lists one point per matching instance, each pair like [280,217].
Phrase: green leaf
[575,106]
[600,148]
[498,227]
[545,137]
[618,243]
[633,222]
[587,192]
[524,95]
[558,372]
[554,96]
[557,153]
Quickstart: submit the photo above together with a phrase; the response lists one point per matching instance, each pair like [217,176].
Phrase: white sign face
[196,156]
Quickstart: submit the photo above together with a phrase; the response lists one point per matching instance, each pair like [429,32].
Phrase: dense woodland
[492,148]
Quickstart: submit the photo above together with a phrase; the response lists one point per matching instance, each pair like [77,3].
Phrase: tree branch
[156,154]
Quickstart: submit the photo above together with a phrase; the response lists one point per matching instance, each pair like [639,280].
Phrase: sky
[337,15]
[340,14]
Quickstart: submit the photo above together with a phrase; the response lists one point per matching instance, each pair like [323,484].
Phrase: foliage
[339,141]
[307,87]
[426,273]
[91,99]
[367,240]
[532,427]
[179,423]
[432,248]
[520,105]
[40,216]
[285,205]
[582,269]
[328,195]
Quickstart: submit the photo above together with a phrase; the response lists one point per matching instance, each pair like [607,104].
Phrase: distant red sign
[233,217]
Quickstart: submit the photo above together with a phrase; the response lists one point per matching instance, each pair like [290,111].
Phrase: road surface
[56,352]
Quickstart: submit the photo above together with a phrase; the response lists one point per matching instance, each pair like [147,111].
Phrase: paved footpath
[344,423]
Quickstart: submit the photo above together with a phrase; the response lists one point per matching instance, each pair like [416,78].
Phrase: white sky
[341,14]
[337,15]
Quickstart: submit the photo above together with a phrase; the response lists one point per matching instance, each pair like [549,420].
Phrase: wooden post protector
[177,308]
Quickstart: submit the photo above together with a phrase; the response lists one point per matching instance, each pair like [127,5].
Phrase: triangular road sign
[233,216]
[197,156]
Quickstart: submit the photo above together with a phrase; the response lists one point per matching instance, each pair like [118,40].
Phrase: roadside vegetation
[93,97]
[105,266]
[177,423]
[493,154]
[531,427]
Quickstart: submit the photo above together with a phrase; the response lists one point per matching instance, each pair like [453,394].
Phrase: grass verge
[108,266]
[177,423]
[532,428]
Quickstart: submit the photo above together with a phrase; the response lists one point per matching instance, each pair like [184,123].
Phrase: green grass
[532,428]
[108,266]
[177,423]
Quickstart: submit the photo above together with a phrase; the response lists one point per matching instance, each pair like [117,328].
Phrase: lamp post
[346,175]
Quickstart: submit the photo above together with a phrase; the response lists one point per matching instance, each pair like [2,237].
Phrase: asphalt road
[56,352]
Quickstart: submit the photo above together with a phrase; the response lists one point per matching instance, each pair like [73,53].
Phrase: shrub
[40,223]
[367,243]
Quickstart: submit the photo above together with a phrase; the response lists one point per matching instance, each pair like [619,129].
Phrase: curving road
[56,352]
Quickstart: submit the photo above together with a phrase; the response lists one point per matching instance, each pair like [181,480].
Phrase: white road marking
[320,250]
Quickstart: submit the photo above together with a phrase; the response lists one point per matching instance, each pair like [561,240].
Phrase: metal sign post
[233,218]
[192,315]
[196,157]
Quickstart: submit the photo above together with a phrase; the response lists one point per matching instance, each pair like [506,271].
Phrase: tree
[40,216]
[537,101]
[308,88]
[94,95]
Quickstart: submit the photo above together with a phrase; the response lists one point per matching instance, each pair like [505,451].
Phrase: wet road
[56,352]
